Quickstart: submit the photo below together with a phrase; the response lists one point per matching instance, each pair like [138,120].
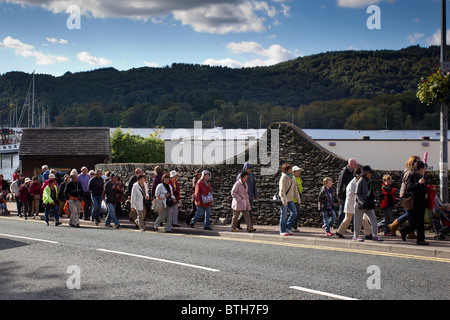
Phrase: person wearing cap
[35,191]
[203,200]
[176,192]
[74,193]
[287,191]
[297,172]
[349,208]
[84,179]
[197,176]
[365,204]
[25,197]
[111,189]
[49,200]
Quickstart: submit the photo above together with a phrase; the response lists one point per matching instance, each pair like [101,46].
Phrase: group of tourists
[76,194]
[356,201]
[85,194]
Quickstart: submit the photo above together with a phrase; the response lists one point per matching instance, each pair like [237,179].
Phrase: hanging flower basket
[435,89]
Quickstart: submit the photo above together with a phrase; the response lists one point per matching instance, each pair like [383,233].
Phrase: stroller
[440,215]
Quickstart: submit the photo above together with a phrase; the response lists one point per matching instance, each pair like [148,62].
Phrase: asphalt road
[42,262]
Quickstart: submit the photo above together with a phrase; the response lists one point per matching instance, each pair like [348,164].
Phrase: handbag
[158,205]
[406,199]
[276,198]
[208,198]
[133,215]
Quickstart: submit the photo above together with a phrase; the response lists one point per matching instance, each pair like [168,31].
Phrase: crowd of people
[90,194]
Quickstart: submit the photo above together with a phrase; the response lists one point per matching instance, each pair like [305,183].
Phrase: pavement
[306,237]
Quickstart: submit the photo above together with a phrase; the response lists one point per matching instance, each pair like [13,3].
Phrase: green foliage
[127,148]
[435,89]
[347,89]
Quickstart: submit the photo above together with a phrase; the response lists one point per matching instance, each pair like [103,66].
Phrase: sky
[57,36]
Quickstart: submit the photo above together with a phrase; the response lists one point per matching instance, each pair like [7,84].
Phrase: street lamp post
[443,165]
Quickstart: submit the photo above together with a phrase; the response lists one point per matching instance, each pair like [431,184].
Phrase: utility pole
[443,164]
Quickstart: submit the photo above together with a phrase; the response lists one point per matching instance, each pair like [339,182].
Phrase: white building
[382,150]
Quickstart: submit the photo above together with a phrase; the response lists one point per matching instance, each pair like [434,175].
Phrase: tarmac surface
[306,236]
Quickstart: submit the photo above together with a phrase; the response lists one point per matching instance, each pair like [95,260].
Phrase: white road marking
[27,238]
[160,260]
[327,294]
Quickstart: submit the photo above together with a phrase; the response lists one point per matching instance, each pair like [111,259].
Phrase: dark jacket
[344,179]
[96,186]
[110,192]
[420,190]
[327,198]
[364,193]
[73,189]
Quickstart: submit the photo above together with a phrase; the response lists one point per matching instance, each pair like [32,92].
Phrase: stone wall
[296,148]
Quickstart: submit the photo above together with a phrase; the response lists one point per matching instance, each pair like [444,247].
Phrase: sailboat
[11,135]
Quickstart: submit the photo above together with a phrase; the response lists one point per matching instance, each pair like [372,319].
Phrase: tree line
[340,90]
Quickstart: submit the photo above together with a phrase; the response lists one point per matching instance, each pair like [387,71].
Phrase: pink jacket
[239,193]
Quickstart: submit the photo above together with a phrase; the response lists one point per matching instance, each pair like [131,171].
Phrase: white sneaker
[284,234]
[290,232]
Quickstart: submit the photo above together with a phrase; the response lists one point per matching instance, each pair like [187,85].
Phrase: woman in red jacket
[24,197]
[203,200]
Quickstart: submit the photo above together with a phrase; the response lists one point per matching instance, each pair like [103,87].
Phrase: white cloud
[435,39]
[27,50]
[222,18]
[261,56]
[151,64]
[95,61]
[211,16]
[54,40]
[358,3]
[414,38]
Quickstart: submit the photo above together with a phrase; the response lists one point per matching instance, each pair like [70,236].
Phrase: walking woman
[137,201]
[203,200]
[49,199]
[407,216]
[241,203]
[417,187]
[288,190]
[365,204]
[164,192]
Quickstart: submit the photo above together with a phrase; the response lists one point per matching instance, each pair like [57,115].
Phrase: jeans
[19,206]
[111,214]
[55,213]
[328,220]
[406,216]
[286,223]
[96,206]
[387,213]
[199,214]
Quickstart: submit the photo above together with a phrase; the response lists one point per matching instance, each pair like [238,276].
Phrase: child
[3,206]
[387,202]
[327,198]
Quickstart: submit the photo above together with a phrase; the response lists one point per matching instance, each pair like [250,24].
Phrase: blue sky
[234,33]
